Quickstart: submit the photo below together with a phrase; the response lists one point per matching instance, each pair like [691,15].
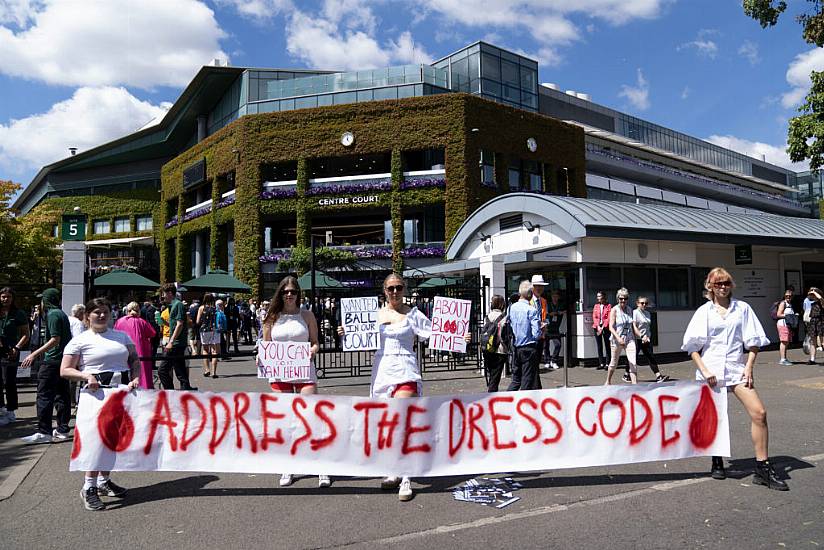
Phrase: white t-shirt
[101,351]
[76,326]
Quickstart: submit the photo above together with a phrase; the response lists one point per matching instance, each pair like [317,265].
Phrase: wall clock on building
[347,139]
[532,145]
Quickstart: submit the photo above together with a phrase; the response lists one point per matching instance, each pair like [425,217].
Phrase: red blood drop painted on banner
[704,423]
[114,423]
[76,444]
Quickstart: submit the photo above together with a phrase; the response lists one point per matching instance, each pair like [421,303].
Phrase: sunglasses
[289,291]
[396,288]
[721,284]
[622,299]
[642,303]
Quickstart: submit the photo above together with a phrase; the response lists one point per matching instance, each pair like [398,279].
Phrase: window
[101,226]
[144,223]
[55,231]
[673,288]
[122,225]
[487,163]
[514,178]
[601,279]
[640,281]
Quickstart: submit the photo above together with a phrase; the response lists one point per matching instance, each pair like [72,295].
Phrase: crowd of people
[522,335]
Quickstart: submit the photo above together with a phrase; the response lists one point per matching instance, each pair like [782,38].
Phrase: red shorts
[784,333]
[406,386]
[289,387]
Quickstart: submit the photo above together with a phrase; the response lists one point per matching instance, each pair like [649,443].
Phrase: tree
[27,253]
[805,135]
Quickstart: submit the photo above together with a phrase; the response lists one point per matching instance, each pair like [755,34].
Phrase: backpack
[491,335]
[774,310]
[207,319]
[507,335]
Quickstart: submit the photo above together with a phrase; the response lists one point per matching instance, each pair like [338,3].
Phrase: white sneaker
[554,366]
[286,480]
[405,491]
[58,437]
[324,481]
[36,439]
[389,483]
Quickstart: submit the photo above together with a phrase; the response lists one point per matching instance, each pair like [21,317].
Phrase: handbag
[791,319]
[806,345]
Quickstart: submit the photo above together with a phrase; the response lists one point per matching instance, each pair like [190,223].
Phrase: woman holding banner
[100,356]
[286,321]
[717,334]
[395,371]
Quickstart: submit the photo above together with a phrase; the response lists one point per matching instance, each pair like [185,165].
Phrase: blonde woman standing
[623,333]
[715,339]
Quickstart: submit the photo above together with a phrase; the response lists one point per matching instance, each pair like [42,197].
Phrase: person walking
[600,324]
[52,391]
[77,322]
[195,346]
[539,302]
[232,324]
[286,321]
[14,337]
[786,323]
[526,327]
[623,333]
[716,337]
[175,348]
[206,319]
[104,357]
[642,319]
[494,351]
[222,324]
[816,323]
[554,318]
[148,312]
[141,334]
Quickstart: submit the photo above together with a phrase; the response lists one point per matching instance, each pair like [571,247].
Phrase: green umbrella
[438,282]
[124,279]
[219,281]
[322,280]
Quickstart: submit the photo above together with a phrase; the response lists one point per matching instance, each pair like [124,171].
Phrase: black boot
[765,475]
[718,471]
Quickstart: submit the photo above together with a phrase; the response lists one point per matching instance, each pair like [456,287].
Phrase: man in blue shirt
[526,327]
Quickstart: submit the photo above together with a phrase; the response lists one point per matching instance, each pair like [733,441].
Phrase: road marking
[544,510]
[19,473]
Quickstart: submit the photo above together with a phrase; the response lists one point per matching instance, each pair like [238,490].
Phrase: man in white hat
[539,302]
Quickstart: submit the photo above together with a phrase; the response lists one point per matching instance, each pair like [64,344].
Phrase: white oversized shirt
[722,342]
[395,359]
[100,351]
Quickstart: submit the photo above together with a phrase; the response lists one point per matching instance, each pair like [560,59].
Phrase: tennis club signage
[335,201]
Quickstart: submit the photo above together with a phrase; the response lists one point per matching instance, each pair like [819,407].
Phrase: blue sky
[83,72]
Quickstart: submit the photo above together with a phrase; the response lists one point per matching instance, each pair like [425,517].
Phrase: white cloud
[703,44]
[322,43]
[147,43]
[637,95]
[749,51]
[685,93]
[798,76]
[18,12]
[91,117]
[762,151]
[257,9]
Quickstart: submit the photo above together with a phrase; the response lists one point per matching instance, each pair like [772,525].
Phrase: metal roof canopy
[613,219]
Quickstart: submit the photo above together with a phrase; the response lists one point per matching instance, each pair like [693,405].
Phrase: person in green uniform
[14,337]
[52,390]
[175,349]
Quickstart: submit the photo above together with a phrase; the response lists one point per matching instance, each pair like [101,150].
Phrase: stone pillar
[74,274]
[200,256]
[492,267]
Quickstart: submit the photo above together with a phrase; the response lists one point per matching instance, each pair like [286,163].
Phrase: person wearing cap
[540,304]
[52,390]
[175,347]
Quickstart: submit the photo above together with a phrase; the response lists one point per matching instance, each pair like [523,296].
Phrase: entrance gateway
[661,252]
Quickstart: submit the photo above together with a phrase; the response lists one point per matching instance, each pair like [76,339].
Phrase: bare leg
[758,415]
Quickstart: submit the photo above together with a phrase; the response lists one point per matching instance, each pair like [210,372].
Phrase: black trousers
[646,349]
[493,368]
[175,360]
[8,385]
[525,369]
[602,343]
[52,393]
[233,332]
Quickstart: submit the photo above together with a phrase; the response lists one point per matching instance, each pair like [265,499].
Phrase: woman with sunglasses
[643,320]
[286,321]
[396,372]
[623,334]
[715,339]
[100,356]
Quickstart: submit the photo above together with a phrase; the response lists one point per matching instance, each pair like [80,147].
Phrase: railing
[434,249]
[199,205]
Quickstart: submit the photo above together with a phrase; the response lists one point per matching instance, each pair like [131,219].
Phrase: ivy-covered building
[251,165]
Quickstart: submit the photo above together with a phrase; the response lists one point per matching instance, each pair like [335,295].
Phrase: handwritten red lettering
[366,407]
[620,405]
[185,400]
[476,411]
[410,430]
[529,418]
[298,401]
[268,415]
[216,438]
[637,432]
[667,441]
[559,429]
[454,405]
[386,429]
[578,417]
[162,417]
[241,408]
[316,444]
[495,417]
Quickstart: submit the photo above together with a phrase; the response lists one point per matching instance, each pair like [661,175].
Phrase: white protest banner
[359,317]
[430,436]
[450,323]
[283,361]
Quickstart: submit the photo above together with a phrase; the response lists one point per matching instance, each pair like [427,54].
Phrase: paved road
[654,505]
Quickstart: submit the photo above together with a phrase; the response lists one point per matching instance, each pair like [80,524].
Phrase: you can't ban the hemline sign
[435,436]
[284,361]
[450,323]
